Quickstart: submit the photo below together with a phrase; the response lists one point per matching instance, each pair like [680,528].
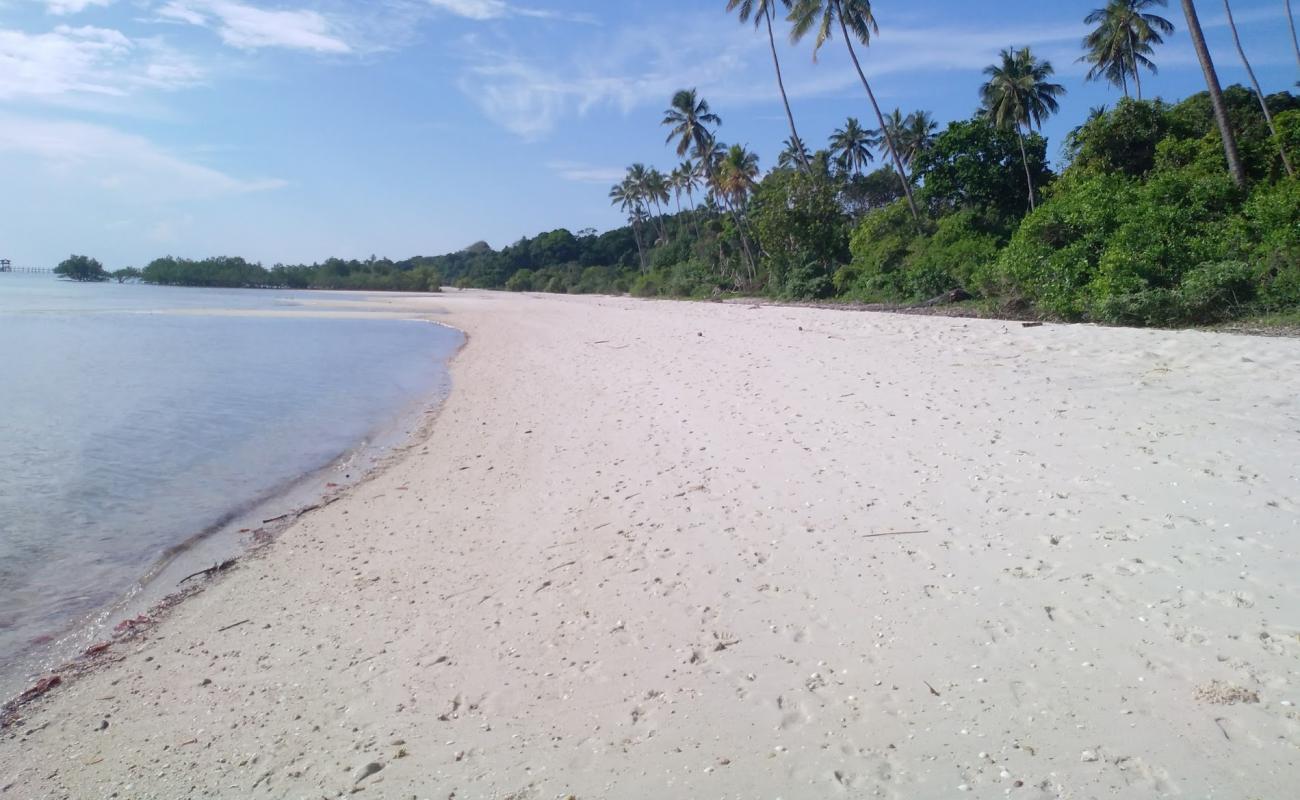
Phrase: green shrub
[1216,291]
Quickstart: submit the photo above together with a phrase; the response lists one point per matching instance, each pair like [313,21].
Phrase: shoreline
[698,550]
[79,645]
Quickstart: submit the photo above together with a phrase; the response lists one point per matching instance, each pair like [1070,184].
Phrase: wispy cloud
[87,61]
[500,9]
[578,172]
[65,7]
[110,160]
[249,27]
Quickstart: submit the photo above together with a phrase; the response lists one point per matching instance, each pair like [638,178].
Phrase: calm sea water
[125,432]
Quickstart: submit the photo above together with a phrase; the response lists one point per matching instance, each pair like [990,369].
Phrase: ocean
[141,426]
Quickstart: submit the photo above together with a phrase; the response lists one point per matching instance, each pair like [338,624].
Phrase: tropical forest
[1159,212]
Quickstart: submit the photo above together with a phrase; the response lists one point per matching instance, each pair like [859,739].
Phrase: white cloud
[585,173]
[87,61]
[117,162]
[65,7]
[249,27]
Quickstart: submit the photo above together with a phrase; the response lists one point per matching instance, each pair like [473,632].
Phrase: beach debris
[1088,756]
[1219,721]
[223,566]
[233,625]
[1049,610]
[1031,324]
[366,771]
[131,624]
[39,688]
[933,690]
[277,519]
[543,586]
[102,726]
[723,640]
[97,649]
[891,533]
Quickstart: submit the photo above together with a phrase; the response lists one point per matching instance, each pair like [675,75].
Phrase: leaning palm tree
[1019,96]
[762,12]
[853,16]
[1230,151]
[1295,40]
[851,145]
[795,153]
[1121,44]
[1259,94]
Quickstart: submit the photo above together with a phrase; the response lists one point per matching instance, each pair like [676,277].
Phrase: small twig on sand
[543,586]
[222,567]
[891,533]
[601,341]
[276,519]
[562,566]
[233,625]
[1219,721]
[1031,324]
[933,690]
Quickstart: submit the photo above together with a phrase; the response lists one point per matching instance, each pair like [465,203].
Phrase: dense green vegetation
[81,268]
[1159,214]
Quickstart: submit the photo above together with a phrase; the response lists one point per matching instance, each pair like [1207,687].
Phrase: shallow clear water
[125,433]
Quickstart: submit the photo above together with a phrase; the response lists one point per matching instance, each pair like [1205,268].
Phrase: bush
[649,284]
[81,268]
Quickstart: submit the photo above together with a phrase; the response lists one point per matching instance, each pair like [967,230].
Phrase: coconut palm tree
[1295,40]
[627,196]
[735,179]
[688,118]
[762,12]
[918,135]
[1121,44]
[686,180]
[656,190]
[794,154]
[1019,96]
[854,19]
[1259,94]
[851,145]
[1230,151]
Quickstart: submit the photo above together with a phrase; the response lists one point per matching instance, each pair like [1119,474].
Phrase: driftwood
[233,625]
[223,566]
[891,533]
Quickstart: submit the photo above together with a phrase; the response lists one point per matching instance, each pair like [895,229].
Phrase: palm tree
[1123,40]
[794,154]
[656,190]
[855,16]
[627,196]
[1259,94]
[918,135]
[736,177]
[1230,151]
[851,145]
[1018,96]
[689,118]
[686,180]
[1295,40]
[762,13]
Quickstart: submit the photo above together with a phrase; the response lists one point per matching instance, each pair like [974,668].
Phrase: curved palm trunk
[1024,159]
[1230,151]
[1295,41]
[780,82]
[889,140]
[1259,94]
[726,202]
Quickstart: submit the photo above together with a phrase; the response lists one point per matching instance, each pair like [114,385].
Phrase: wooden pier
[7,266]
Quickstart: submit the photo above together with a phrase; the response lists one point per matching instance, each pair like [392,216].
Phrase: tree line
[1163,213]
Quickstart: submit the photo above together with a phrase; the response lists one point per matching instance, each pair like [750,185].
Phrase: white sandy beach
[673,550]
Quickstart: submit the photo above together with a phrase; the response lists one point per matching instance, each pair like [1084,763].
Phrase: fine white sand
[666,550]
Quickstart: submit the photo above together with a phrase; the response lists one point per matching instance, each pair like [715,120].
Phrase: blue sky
[292,130]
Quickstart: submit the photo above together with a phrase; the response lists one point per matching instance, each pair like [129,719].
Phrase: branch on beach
[215,568]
